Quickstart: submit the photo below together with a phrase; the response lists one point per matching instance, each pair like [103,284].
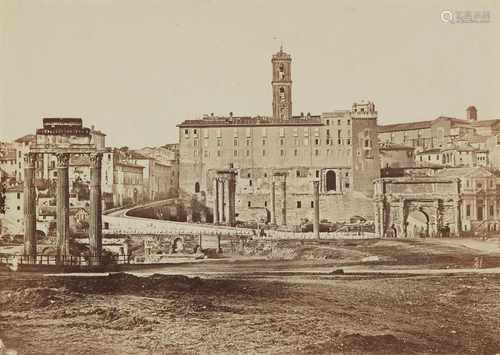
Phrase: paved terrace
[119,222]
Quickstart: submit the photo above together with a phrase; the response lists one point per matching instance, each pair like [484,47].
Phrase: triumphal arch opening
[412,207]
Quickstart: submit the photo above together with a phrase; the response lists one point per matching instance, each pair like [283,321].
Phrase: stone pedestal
[316,209]
[29,207]
[95,225]
[62,205]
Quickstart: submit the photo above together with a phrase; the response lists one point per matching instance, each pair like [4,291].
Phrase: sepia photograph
[249,177]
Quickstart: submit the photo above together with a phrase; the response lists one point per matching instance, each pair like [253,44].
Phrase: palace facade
[339,149]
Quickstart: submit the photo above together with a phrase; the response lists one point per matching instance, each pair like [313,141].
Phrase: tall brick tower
[282,85]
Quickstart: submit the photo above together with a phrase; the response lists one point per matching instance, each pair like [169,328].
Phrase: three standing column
[29,207]
[95,225]
[62,206]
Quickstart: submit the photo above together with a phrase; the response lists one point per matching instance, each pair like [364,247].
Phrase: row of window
[339,122]
[306,131]
[480,211]
[236,153]
[305,142]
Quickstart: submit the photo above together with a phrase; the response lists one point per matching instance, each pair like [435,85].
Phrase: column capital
[29,160]
[95,160]
[62,160]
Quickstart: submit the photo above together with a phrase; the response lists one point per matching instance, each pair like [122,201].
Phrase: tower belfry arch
[282,85]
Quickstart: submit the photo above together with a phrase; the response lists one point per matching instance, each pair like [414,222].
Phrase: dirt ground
[254,312]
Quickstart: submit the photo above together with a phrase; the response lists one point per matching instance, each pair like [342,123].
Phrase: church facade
[339,149]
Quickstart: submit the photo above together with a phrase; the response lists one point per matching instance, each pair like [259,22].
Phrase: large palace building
[276,159]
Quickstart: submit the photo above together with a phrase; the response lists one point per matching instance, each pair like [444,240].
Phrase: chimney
[471,113]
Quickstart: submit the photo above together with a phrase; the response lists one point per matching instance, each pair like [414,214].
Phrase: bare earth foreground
[268,306]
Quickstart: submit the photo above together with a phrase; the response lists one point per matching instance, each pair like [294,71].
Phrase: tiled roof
[430,151]
[454,121]
[140,156]
[404,126]
[486,123]
[460,148]
[464,172]
[29,138]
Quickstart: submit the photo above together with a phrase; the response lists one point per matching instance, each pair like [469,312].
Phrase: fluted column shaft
[95,225]
[62,205]
[29,207]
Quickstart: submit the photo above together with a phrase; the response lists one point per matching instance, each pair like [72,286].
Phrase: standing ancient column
[223,201]
[216,202]
[316,209]
[283,201]
[273,203]
[458,227]
[232,199]
[62,206]
[95,225]
[29,207]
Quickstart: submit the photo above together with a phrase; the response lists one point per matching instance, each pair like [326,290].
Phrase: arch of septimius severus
[63,137]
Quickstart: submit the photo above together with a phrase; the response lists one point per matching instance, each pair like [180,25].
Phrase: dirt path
[380,314]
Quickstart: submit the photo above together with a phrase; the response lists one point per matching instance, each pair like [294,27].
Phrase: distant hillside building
[447,141]
[480,198]
[337,148]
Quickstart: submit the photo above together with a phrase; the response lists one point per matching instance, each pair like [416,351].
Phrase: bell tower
[282,85]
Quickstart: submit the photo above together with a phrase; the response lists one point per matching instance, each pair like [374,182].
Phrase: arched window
[197,187]
[282,72]
[331,181]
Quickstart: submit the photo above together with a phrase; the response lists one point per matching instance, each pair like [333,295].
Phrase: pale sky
[135,69]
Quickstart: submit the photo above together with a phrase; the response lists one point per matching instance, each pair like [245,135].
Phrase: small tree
[2,199]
